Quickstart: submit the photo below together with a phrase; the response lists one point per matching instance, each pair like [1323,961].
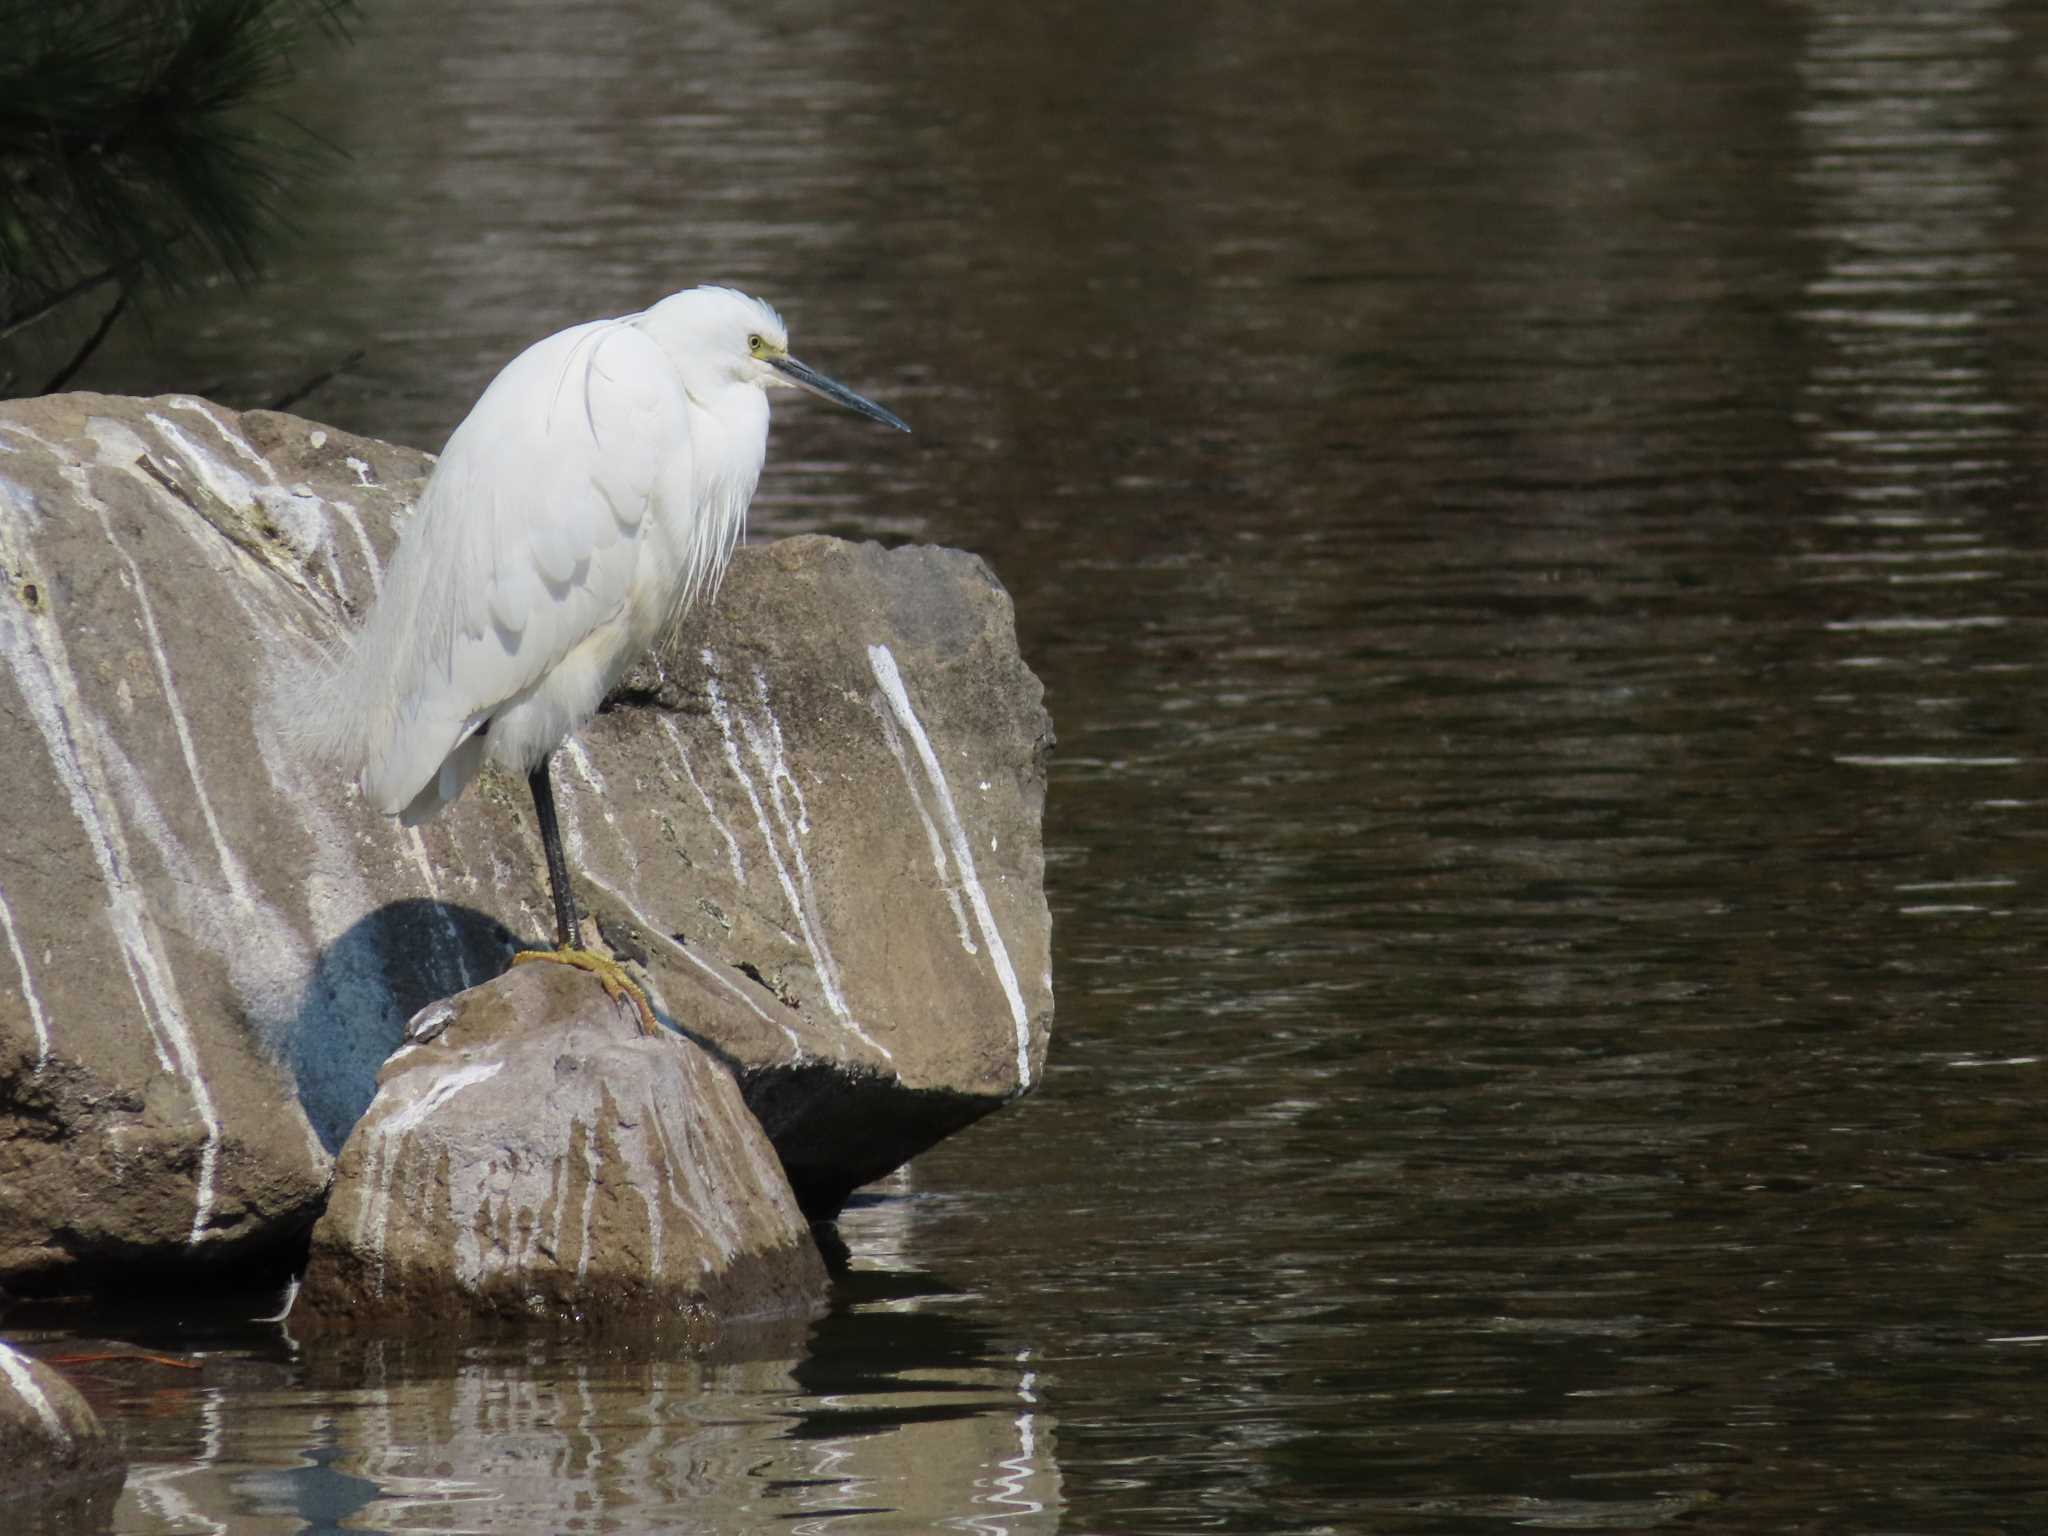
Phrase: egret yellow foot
[610,975]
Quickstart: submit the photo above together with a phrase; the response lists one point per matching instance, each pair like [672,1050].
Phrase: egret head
[736,331]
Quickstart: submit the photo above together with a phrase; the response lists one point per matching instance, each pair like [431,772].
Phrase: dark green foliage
[142,140]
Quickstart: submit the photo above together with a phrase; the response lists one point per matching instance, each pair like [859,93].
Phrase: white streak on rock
[15,1368]
[332,1035]
[802,906]
[439,1092]
[653,931]
[884,665]
[266,958]
[583,764]
[509,1214]
[650,1137]
[268,963]
[732,844]
[347,512]
[938,848]
[35,652]
[587,770]
[334,569]
[230,866]
[233,439]
[38,1021]
[389,1156]
[778,773]
[558,1177]
[225,484]
[119,449]
[702,1194]
[264,953]
[293,511]
[739,992]
[568,821]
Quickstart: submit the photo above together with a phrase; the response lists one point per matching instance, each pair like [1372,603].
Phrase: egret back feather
[589,497]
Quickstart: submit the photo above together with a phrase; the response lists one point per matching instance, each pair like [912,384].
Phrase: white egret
[594,492]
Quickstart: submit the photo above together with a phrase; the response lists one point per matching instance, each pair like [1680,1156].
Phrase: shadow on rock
[365,986]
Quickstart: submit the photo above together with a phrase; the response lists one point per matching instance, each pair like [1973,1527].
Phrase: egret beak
[803,376]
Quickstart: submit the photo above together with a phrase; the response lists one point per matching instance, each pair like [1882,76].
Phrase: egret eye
[755,344]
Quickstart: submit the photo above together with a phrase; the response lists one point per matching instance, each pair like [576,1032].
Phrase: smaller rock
[51,1442]
[529,1156]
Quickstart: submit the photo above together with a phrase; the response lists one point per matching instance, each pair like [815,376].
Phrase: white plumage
[597,488]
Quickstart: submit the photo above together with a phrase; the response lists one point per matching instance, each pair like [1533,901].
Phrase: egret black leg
[551,844]
[568,948]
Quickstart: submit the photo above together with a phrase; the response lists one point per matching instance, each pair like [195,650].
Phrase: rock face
[530,1156]
[51,1442]
[813,822]
[854,757]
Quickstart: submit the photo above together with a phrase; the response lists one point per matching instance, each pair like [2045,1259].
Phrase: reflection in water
[1529,520]
[175,1495]
[901,1415]
[899,1383]
[1909,162]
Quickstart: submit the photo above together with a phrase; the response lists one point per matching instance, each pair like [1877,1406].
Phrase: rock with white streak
[158,956]
[52,1445]
[812,824]
[839,773]
[531,1158]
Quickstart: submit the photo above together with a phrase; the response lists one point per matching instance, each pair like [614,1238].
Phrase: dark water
[1530,519]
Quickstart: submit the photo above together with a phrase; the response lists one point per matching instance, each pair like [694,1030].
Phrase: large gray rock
[530,1156]
[843,772]
[52,1446]
[814,823]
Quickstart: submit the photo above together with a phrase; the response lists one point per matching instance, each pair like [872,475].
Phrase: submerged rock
[52,1446]
[813,823]
[530,1156]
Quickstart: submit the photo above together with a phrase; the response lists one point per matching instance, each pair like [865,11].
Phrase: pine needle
[140,138]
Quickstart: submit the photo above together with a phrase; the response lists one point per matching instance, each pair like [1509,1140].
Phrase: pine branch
[141,135]
[64,375]
[22,319]
[293,396]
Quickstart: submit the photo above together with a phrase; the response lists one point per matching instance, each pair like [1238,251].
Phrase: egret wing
[530,537]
